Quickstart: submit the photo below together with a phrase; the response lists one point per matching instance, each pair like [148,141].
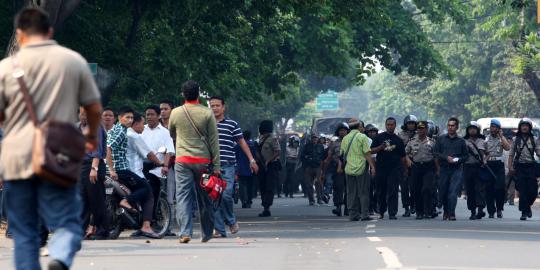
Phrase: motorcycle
[120,219]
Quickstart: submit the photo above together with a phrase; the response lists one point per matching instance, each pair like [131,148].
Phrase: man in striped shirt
[230,134]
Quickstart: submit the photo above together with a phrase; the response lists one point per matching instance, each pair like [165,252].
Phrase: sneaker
[311,203]
[529,213]
[57,265]
[407,213]
[452,218]
[413,210]
[473,216]
[499,214]
[445,216]
[217,234]
[523,217]
[234,228]
[320,202]
[480,214]
[492,215]
[184,239]
[392,217]
[381,216]
[206,239]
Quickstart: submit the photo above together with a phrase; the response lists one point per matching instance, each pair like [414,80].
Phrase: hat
[422,124]
[314,136]
[353,122]
[495,122]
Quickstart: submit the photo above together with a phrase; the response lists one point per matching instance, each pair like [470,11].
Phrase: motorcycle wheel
[114,221]
[163,215]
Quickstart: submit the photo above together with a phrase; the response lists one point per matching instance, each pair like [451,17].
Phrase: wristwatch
[252,161]
[95,169]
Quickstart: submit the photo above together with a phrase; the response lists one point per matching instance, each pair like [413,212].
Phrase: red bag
[213,185]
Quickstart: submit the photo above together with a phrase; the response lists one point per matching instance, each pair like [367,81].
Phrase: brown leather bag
[58,147]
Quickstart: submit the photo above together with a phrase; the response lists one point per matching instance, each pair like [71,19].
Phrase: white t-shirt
[137,151]
[157,138]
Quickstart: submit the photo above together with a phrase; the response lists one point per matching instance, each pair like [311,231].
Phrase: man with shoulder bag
[197,151]
[41,89]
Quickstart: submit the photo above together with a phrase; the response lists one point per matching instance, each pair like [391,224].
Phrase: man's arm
[245,148]
[93,112]
[109,159]
[463,153]
[213,141]
[505,143]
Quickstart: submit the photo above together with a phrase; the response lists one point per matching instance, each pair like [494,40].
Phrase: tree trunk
[137,13]
[59,11]
[533,81]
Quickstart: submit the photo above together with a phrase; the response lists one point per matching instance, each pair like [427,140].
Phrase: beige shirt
[59,81]
[473,153]
[420,150]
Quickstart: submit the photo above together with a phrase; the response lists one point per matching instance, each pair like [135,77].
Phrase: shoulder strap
[531,151]
[479,157]
[518,152]
[349,146]
[261,146]
[18,74]
[197,130]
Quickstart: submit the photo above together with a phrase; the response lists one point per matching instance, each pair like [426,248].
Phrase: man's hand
[217,172]
[511,171]
[93,176]
[91,144]
[114,176]
[501,133]
[254,167]
[373,172]
[164,170]
[450,159]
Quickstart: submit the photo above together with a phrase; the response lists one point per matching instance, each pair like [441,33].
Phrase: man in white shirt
[137,151]
[160,142]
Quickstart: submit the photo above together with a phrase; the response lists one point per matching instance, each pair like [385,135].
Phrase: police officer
[333,165]
[521,163]
[371,132]
[473,171]
[423,169]
[408,130]
[495,189]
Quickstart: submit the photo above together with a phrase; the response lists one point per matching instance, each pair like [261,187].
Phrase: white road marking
[370,226]
[370,231]
[390,258]
[374,239]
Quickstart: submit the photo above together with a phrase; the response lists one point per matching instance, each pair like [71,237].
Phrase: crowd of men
[367,169]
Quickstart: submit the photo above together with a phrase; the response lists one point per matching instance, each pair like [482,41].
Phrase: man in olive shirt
[269,151]
[59,81]
[355,150]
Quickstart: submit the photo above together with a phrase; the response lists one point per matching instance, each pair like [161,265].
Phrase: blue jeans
[27,201]
[224,213]
[187,180]
[450,188]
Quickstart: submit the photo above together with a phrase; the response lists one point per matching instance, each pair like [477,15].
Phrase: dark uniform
[422,174]
[474,177]
[405,183]
[522,153]
[496,188]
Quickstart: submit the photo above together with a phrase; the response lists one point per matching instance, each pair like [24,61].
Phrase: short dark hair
[454,119]
[125,109]
[109,109]
[219,98]
[391,119]
[266,126]
[168,102]
[247,135]
[137,117]
[33,21]
[190,90]
[153,107]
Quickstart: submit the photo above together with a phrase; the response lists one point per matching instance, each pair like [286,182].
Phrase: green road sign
[93,68]
[328,101]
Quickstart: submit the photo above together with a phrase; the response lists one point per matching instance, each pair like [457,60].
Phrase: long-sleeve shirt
[101,149]
[454,147]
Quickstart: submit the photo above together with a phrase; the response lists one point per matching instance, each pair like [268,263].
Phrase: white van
[508,125]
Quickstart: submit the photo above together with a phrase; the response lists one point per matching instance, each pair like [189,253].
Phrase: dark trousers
[246,189]
[358,195]
[526,185]
[339,188]
[373,194]
[450,188]
[290,179]
[423,176]
[155,186]
[311,177]
[387,186]
[93,198]
[268,179]
[475,185]
[496,188]
[141,192]
[407,196]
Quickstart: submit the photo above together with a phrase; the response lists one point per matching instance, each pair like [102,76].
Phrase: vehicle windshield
[327,125]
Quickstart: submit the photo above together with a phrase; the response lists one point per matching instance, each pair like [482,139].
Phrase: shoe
[499,214]
[381,216]
[57,265]
[234,228]
[473,216]
[452,218]
[151,235]
[371,213]
[244,206]
[184,239]
[311,203]
[206,239]
[480,214]
[326,198]
[407,213]
[523,216]
[248,205]
[392,218]
[98,237]
[529,213]
[491,215]
[217,234]
[291,196]
[413,210]
[169,233]
[419,217]
[346,212]
[366,219]
[354,219]
[445,216]
[265,213]
[319,201]
[337,211]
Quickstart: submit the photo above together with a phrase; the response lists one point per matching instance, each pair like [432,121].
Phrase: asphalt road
[299,236]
